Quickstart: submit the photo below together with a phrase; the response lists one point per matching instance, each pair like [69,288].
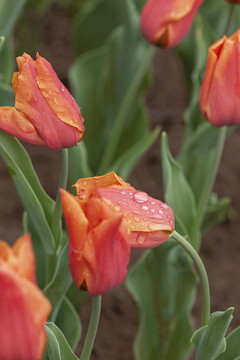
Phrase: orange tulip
[166,23]
[105,219]
[98,246]
[219,95]
[23,307]
[45,113]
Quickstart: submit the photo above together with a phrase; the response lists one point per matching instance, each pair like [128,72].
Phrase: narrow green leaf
[7,96]
[68,322]
[177,191]
[232,351]
[209,340]
[78,163]
[14,156]
[60,283]
[162,283]
[125,163]
[9,12]
[57,345]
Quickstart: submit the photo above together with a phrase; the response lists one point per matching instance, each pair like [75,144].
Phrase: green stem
[230,19]
[113,141]
[202,274]
[56,220]
[210,178]
[92,329]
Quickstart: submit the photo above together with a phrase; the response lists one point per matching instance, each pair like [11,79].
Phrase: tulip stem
[207,188]
[202,274]
[56,220]
[92,329]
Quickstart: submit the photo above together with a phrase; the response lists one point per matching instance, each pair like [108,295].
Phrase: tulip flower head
[219,95]
[107,218]
[23,307]
[45,113]
[166,23]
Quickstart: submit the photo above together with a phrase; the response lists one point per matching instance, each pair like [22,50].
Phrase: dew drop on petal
[155,227]
[108,201]
[117,208]
[152,210]
[140,197]
[160,212]
[35,99]
[164,206]
[136,219]
[123,192]
[137,212]
[141,238]
[29,97]
[129,221]
[144,207]
[153,202]
[62,88]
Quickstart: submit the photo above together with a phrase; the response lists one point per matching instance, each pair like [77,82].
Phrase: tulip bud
[219,95]
[45,113]
[23,307]
[166,23]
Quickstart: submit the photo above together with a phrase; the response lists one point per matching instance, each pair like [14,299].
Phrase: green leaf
[9,13]
[78,163]
[162,283]
[32,196]
[7,96]
[232,346]
[209,340]
[126,162]
[60,283]
[68,322]
[57,345]
[177,191]
[217,212]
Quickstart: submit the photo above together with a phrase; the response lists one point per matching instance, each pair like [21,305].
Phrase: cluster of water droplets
[143,213]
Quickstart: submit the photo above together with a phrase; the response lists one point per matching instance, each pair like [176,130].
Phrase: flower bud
[166,23]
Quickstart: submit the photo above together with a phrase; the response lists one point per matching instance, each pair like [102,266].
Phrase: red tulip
[166,23]
[150,222]
[105,219]
[23,307]
[219,95]
[98,246]
[45,113]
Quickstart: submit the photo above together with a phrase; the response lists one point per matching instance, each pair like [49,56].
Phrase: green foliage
[57,345]
[232,346]
[162,284]
[209,340]
[9,13]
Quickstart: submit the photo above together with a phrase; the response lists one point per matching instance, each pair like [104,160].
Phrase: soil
[166,101]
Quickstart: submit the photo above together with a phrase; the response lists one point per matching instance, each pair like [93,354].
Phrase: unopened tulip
[167,22]
[45,113]
[105,219]
[98,244]
[23,307]
[219,95]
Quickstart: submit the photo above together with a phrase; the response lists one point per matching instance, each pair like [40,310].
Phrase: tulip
[219,95]
[23,307]
[98,247]
[105,219]
[166,23]
[45,113]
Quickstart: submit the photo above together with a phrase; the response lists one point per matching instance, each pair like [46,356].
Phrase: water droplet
[55,100]
[35,99]
[141,238]
[140,197]
[84,183]
[137,212]
[129,221]
[49,92]
[136,219]
[156,216]
[62,88]
[108,201]
[155,227]
[117,208]
[44,112]
[152,210]
[29,97]
[160,211]
[153,202]
[123,192]
[164,206]
[36,117]
[144,207]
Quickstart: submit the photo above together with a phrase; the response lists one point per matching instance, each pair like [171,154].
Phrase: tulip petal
[23,311]
[77,224]
[107,253]
[58,98]
[17,124]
